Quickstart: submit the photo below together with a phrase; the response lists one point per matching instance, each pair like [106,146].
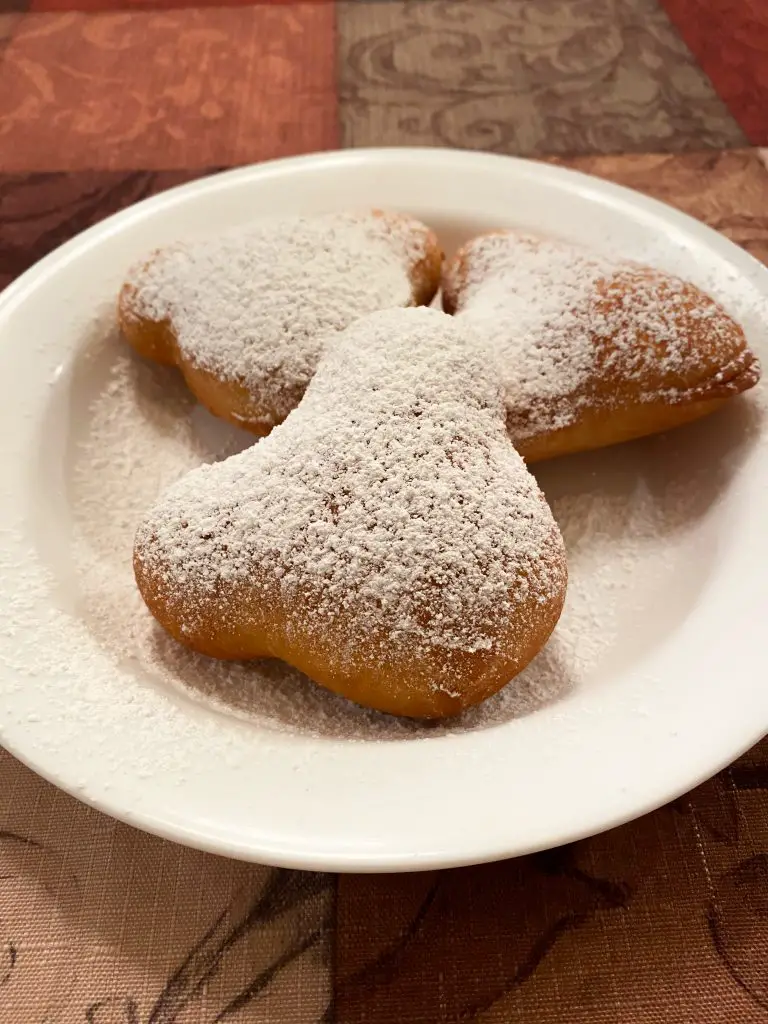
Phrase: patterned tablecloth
[103,102]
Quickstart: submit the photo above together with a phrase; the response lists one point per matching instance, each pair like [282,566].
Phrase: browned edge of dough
[614,422]
[230,400]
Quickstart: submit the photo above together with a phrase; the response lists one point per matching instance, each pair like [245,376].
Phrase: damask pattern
[519,77]
[104,924]
[163,90]
[729,191]
[8,23]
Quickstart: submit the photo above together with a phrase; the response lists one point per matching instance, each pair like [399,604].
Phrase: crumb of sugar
[390,503]
[256,304]
[545,304]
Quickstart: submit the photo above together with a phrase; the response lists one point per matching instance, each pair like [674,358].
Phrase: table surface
[103,102]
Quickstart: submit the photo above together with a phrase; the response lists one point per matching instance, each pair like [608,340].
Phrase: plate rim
[373,862]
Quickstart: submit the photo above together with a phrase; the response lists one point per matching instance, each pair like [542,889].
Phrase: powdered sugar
[626,540]
[528,297]
[255,305]
[573,329]
[389,511]
[628,515]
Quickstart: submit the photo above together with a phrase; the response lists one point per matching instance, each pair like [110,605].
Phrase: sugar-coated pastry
[386,539]
[245,315]
[593,351]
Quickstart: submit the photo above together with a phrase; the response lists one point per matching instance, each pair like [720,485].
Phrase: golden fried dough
[386,539]
[246,315]
[594,351]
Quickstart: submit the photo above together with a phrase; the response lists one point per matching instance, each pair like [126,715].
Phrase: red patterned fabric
[729,38]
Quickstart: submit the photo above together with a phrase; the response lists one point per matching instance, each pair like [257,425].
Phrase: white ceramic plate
[655,681]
